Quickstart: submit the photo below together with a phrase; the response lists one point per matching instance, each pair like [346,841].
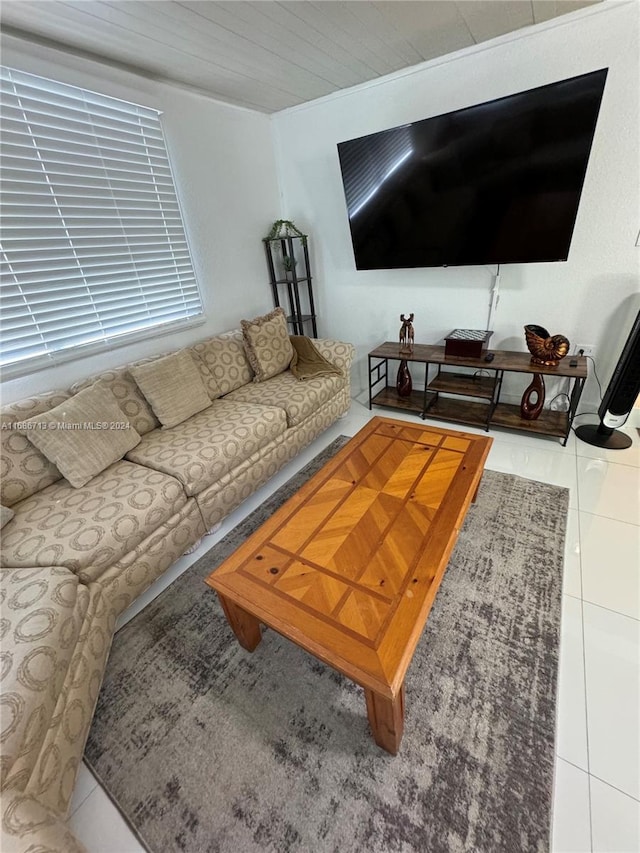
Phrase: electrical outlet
[587,349]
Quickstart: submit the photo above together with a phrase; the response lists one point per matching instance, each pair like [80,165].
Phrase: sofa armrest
[28,826]
[338,352]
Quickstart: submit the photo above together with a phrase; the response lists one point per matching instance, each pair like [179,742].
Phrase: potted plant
[289,264]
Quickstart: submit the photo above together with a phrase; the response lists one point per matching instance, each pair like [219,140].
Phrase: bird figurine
[545,348]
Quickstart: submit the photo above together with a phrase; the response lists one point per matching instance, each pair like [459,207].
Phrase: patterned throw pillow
[130,398]
[83,435]
[173,387]
[267,343]
[6,515]
[226,359]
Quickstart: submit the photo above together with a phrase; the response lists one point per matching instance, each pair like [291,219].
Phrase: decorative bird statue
[545,348]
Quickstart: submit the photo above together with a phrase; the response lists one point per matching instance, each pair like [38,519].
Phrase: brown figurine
[406,334]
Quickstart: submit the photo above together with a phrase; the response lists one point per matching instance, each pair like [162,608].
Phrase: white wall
[224,165]
[580,298]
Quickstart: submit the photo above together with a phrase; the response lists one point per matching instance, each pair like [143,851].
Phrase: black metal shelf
[298,289]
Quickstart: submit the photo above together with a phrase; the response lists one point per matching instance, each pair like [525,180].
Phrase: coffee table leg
[386,718]
[245,626]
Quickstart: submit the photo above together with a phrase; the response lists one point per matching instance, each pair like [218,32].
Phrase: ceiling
[269,55]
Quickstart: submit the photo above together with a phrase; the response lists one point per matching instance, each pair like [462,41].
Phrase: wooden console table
[473,398]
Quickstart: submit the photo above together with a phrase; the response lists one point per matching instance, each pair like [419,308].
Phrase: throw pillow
[83,435]
[6,515]
[173,386]
[267,343]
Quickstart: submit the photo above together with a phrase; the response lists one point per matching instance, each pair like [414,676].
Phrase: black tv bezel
[598,71]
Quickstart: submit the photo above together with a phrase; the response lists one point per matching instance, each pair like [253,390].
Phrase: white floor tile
[571,826]
[610,552]
[546,442]
[627,456]
[100,827]
[609,489]
[615,820]
[85,784]
[572,576]
[571,720]
[548,466]
[612,662]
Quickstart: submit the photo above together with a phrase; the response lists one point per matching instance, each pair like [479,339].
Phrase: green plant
[285,228]
[289,263]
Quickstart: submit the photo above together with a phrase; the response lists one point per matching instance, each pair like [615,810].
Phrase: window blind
[93,247]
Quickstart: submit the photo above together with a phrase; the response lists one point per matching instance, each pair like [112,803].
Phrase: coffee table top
[348,568]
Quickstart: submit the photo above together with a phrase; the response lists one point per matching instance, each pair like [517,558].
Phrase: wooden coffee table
[348,568]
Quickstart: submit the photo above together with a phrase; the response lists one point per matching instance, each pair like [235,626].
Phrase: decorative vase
[533,398]
[404,384]
[545,348]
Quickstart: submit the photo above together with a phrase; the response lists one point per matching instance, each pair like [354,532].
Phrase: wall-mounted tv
[498,182]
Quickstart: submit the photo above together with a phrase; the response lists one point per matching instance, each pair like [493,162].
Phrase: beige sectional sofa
[74,557]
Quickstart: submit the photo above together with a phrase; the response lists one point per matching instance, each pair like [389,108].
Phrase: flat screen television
[498,182]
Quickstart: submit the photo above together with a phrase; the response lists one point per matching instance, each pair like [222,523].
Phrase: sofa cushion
[226,360]
[23,469]
[201,450]
[298,399]
[6,514]
[130,398]
[42,613]
[93,526]
[173,387]
[266,340]
[85,449]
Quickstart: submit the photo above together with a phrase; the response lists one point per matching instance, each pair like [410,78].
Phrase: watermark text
[25,426]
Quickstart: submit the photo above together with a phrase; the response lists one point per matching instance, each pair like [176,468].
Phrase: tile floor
[597,780]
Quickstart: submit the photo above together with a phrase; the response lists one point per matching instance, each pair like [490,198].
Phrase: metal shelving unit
[294,284]
[472,398]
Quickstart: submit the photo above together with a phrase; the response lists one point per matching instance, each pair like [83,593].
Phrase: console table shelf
[389,397]
[445,395]
[458,411]
[549,423]
[463,383]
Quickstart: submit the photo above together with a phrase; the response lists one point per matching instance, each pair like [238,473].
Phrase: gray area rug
[205,747]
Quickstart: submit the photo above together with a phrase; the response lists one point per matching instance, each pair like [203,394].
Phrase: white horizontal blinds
[93,245]
[368,162]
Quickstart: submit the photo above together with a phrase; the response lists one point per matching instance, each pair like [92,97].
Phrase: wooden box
[466,343]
